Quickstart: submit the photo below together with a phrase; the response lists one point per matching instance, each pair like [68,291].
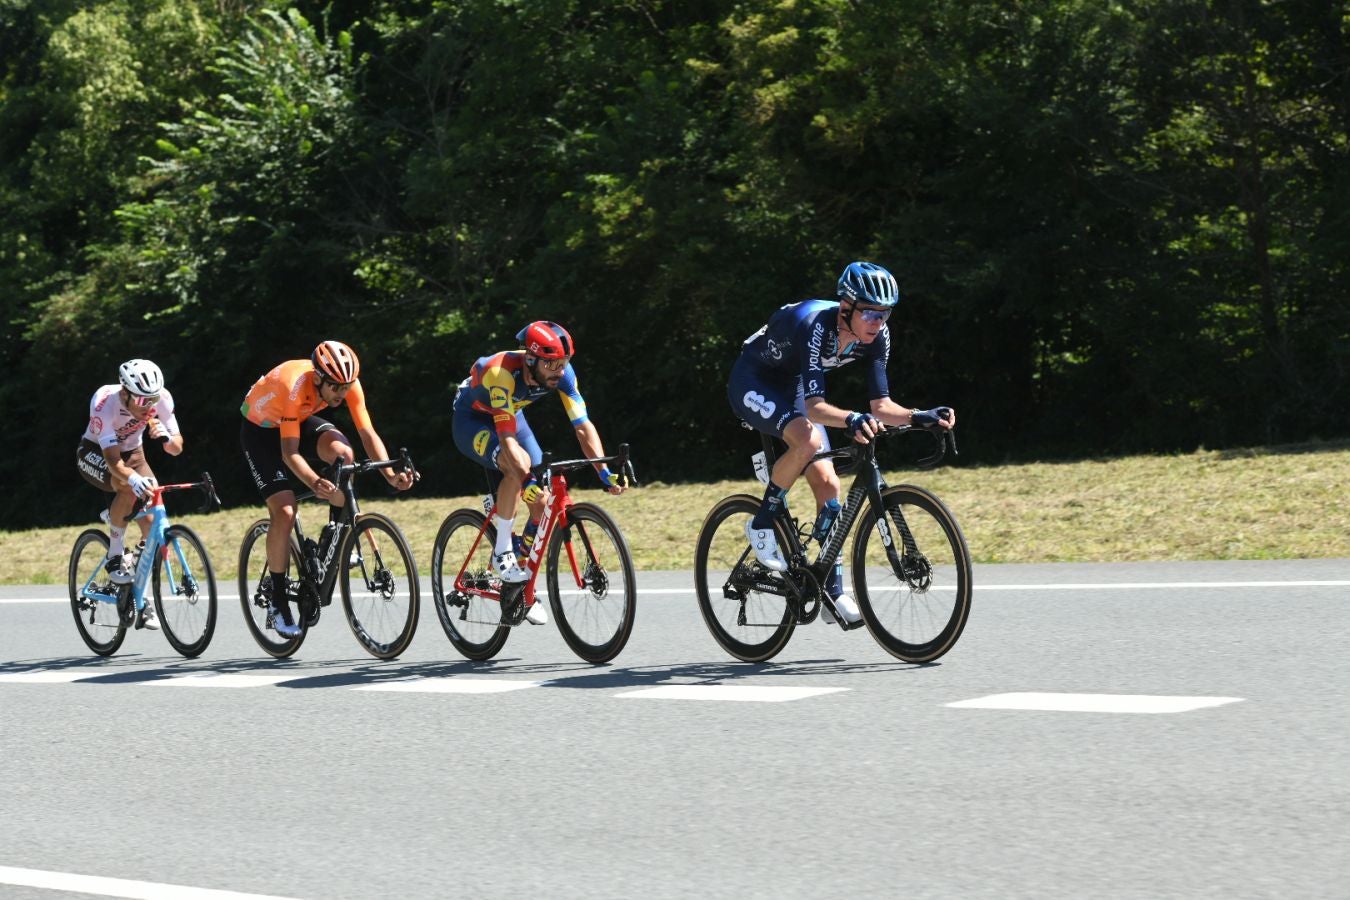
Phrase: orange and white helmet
[336,361]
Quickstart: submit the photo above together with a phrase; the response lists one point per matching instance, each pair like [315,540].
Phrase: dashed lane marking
[221,680]
[450,685]
[745,693]
[45,677]
[1100,703]
[118,887]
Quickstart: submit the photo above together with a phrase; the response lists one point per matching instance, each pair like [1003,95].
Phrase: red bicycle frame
[554,516]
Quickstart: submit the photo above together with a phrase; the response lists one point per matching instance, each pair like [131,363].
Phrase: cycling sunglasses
[873,315]
[143,402]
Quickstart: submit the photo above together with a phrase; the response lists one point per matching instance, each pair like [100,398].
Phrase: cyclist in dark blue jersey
[778,387]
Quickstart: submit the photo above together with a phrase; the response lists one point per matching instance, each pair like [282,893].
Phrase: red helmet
[335,361]
[546,340]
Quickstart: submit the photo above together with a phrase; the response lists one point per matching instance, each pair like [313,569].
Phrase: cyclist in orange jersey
[280,427]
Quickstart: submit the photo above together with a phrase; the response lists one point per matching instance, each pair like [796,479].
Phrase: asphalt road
[317,787]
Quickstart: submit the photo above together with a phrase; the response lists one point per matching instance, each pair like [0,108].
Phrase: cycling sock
[278,588]
[527,536]
[504,527]
[834,582]
[775,498]
[116,541]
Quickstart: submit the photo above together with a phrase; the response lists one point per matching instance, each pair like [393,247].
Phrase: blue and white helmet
[865,282]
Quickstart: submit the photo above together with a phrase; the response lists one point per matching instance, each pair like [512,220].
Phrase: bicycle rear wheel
[380,590]
[911,574]
[184,587]
[255,592]
[100,626]
[743,604]
[463,587]
[596,599]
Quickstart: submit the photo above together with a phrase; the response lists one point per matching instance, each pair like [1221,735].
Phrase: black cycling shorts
[262,452]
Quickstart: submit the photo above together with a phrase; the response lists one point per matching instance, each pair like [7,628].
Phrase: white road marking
[753,693]
[1107,703]
[979,588]
[452,684]
[118,887]
[221,680]
[47,677]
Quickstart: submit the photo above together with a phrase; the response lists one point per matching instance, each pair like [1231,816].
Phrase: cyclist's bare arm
[375,449]
[588,436]
[173,443]
[892,413]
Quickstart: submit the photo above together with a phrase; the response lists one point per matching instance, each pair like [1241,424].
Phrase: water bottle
[825,521]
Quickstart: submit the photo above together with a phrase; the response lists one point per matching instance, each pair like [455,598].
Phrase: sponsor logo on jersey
[498,398]
[813,345]
[96,425]
[299,385]
[759,403]
[773,349]
[480,441]
[263,401]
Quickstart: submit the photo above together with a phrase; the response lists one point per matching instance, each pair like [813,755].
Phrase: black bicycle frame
[324,577]
[868,483]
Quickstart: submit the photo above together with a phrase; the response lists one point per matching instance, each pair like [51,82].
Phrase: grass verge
[1267,503]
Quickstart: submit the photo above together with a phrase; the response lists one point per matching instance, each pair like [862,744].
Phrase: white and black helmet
[141,377]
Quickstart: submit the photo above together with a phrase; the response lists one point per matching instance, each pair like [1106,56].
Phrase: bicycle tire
[187,623]
[915,615]
[595,626]
[100,624]
[471,620]
[723,563]
[384,630]
[255,589]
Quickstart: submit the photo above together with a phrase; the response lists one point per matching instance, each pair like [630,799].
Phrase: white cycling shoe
[508,569]
[846,606]
[537,614]
[765,545]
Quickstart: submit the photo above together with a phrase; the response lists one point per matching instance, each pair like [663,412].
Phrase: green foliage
[1093,209]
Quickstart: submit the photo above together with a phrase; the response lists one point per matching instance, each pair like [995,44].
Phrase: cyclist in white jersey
[110,456]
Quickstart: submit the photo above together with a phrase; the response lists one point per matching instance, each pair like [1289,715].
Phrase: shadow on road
[358,672]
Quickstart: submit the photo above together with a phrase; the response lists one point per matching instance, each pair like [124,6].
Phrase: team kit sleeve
[877,384]
[572,401]
[356,405]
[165,413]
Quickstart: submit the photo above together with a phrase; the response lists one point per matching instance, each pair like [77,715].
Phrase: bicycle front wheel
[255,592]
[464,588]
[744,605]
[595,601]
[100,626]
[380,591]
[911,574]
[184,587]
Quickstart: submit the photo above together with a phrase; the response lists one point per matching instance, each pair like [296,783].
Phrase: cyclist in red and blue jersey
[490,428]
[778,387]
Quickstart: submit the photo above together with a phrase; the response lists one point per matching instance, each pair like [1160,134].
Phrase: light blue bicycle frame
[174,572]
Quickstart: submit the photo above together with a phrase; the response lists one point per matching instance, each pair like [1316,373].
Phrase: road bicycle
[910,564]
[594,607]
[174,564]
[365,554]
